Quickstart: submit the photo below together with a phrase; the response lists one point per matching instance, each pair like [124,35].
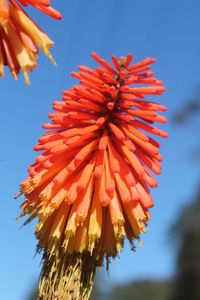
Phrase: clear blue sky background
[166,30]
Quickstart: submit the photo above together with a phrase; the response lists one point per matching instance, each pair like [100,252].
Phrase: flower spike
[90,185]
[20,38]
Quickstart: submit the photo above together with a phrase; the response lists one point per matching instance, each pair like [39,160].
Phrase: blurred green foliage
[140,290]
[33,294]
[187,231]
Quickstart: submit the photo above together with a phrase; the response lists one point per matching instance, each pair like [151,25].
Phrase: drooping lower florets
[90,186]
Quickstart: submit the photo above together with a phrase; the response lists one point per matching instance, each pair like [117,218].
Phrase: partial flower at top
[20,38]
[90,185]
[42,5]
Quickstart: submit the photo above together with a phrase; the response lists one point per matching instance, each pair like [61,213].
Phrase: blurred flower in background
[20,37]
[42,5]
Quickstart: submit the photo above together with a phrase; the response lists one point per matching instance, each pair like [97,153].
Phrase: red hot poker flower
[19,38]
[42,5]
[90,185]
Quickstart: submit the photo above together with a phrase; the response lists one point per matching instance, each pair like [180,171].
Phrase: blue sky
[166,30]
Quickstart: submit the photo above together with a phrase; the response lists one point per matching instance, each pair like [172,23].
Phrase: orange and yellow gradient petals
[95,223]
[90,187]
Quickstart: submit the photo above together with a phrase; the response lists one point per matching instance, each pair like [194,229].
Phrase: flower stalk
[69,277]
